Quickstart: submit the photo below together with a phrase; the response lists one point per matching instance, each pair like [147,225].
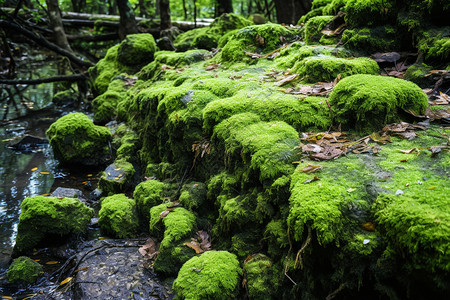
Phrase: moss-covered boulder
[419,74]
[370,12]
[76,140]
[105,105]
[136,49]
[369,102]
[147,194]
[255,39]
[118,177]
[193,195]
[24,270]
[261,277]
[175,226]
[208,37]
[327,68]
[370,40]
[313,28]
[45,219]
[212,275]
[118,216]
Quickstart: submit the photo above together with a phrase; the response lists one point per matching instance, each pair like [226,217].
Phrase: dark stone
[28,143]
[165,43]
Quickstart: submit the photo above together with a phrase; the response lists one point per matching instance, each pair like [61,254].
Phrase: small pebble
[399,192]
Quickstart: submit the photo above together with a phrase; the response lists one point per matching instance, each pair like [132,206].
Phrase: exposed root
[288,258]
[335,292]
[298,259]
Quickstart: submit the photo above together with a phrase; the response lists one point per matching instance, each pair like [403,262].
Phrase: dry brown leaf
[286,80]
[211,67]
[315,178]
[253,55]
[412,150]
[201,243]
[163,214]
[311,169]
[149,249]
[329,152]
[368,226]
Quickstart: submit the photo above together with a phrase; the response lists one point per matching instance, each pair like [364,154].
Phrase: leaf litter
[201,243]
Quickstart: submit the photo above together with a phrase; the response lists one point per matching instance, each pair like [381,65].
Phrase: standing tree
[290,11]
[54,15]
[127,19]
[164,11]
[223,6]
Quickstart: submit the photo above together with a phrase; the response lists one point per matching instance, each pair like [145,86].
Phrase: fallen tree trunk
[72,78]
[44,43]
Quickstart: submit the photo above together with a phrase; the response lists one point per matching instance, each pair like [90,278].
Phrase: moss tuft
[118,217]
[24,270]
[193,195]
[369,40]
[327,68]
[213,275]
[417,73]
[313,28]
[147,194]
[370,12]
[262,277]
[136,49]
[44,218]
[76,140]
[370,102]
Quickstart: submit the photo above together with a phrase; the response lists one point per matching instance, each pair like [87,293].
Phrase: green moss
[76,140]
[213,275]
[303,114]
[129,145]
[370,40]
[276,234]
[369,102]
[262,277]
[193,195]
[417,74]
[334,7]
[136,49]
[25,270]
[370,12]
[147,194]
[208,37]
[266,147]
[315,12]
[105,105]
[117,177]
[435,44]
[257,38]
[313,28]
[45,218]
[118,217]
[327,68]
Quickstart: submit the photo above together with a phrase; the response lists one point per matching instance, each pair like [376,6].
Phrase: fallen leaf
[435,150]
[52,262]
[149,249]
[68,279]
[81,269]
[286,80]
[211,67]
[116,169]
[311,169]
[386,57]
[165,67]
[201,243]
[315,178]
[6,297]
[350,190]
[89,175]
[253,55]
[163,214]
[44,173]
[368,226]
[432,188]
[412,150]
[34,169]
[404,160]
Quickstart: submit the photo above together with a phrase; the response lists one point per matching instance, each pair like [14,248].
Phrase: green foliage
[435,43]
[327,68]
[369,102]
[45,217]
[314,27]
[75,139]
[24,270]
[213,275]
[118,217]
[262,277]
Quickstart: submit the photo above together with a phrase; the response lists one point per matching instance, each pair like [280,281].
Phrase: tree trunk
[127,19]
[223,6]
[164,10]
[56,24]
[290,11]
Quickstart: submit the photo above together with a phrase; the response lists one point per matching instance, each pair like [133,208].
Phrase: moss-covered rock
[147,194]
[213,275]
[262,277]
[118,216]
[327,68]
[369,102]
[24,270]
[435,43]
[76,140]
[370,40]
[118,177]
[175,228]
[136,49]
[417,73]
[208,37]
[370,12]
[254,39]
[313,28]
[43,219]
[193,195]
[105,105]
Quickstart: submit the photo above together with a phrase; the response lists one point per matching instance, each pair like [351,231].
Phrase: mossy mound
[118,216]
[254,39]
[261,277]
[370,40]
[136,49]
[76,140]
[43,219]
[105,105]
[313,28]
[370,12]
[368,101]
[24,270]
[417,73]
[208,37]
[213,275]
[147,194]
[129,145]
[117,177]
[193,195]
[175,228]
[435,44]
[327,68]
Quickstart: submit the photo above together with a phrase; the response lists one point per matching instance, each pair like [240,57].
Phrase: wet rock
[117,177]
[114,269]
[165,43]
[27,143]
[24,270]
[68,193]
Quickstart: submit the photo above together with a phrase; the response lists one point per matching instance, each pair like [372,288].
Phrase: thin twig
[288,258]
